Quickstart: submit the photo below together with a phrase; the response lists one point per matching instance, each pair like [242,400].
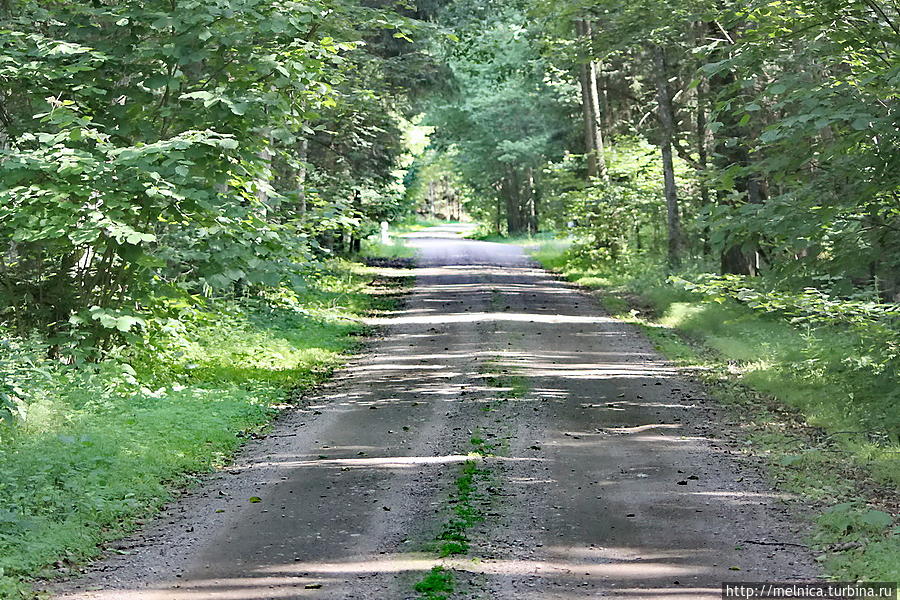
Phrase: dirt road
[611,477]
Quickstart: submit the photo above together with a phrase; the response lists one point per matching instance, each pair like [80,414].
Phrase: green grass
[453,539]
[437,585]
[418,224]
[545,240]
[508,382]
[828,433]
[373,247]
[103,446]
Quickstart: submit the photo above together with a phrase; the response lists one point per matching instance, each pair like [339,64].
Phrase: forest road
[612,475]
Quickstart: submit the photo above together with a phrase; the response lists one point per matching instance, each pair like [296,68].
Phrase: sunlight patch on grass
[397,248]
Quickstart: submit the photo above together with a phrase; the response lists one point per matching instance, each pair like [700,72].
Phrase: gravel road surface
[613,475]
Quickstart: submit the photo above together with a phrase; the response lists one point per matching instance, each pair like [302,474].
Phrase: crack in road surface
[615,481]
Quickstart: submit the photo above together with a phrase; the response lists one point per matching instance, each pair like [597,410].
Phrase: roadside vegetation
[102,446]
[181,189]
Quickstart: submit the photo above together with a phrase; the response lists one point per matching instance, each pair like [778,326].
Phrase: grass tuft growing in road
[452,538]
[437,585]
[505,379]
[465,513]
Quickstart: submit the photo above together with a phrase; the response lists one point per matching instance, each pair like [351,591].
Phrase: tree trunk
[703,159]
[594,94]
[667,130]
[590,104]
[264,182]
[513,203]
[527,200]
[533,200]
[302,155]
[431,198]
[739,257]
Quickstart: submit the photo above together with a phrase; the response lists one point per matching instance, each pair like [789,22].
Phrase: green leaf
[156,82]
[238,108]
[876,519]
[770,135]
[136,237]
[790,459]
[126,322]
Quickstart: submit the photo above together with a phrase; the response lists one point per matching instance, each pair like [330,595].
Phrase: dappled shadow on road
[300,579]
[618,491]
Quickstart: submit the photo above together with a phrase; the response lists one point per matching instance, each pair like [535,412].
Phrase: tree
[164,148]
[504,121]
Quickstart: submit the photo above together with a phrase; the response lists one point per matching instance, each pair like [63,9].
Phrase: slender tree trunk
[593,74]
[667,126]
[513,203]
[302,155]
[703,158]
[535,199]
[730,146]
[590,104]
[264,182]
[355,242]
[529,210]
[431,198]
[603,82]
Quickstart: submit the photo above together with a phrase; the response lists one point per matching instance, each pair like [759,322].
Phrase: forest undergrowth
[100,447]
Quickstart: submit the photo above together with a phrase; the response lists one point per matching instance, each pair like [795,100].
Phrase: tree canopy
[155,152]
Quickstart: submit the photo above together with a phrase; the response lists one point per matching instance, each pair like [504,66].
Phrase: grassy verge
[373,248]
[102,447]
[827,434]
[418,224]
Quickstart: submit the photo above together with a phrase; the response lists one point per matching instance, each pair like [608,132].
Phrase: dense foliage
[157,151]
[170,165]
[774,127]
